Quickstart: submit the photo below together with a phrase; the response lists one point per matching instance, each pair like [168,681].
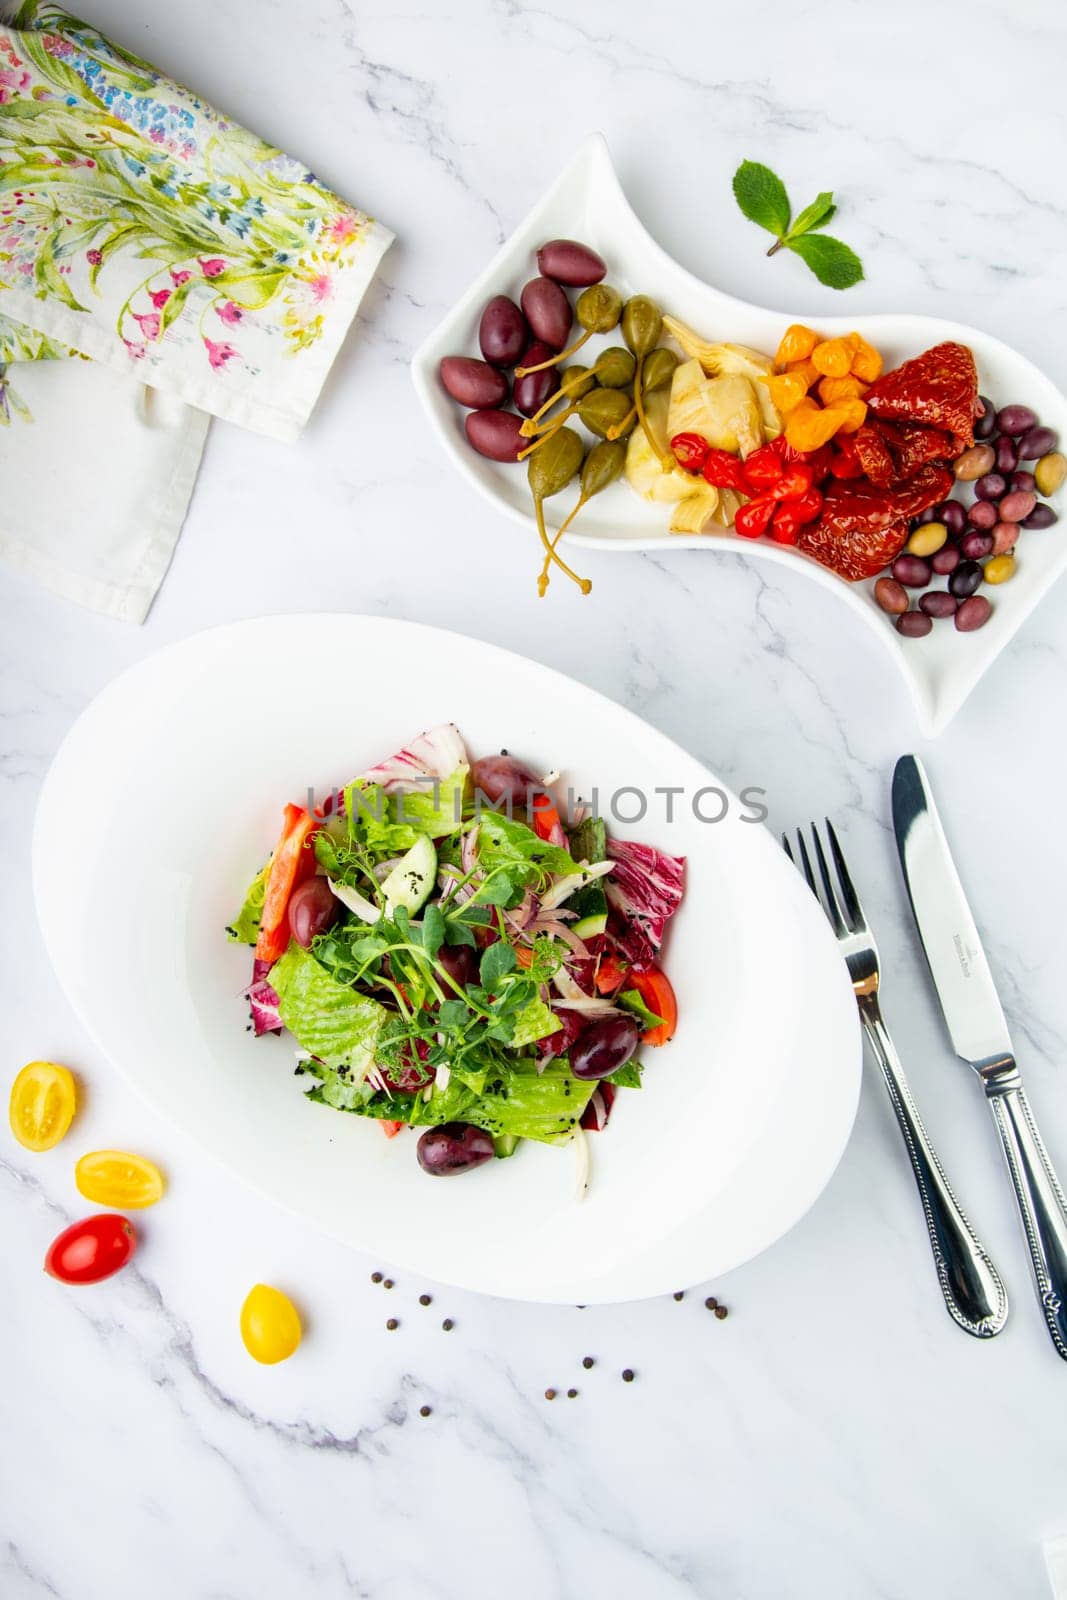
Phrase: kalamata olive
[571,263]
[912,571]
[533,390]
[953,515]
[929,515]
[1005,535]
[312,909]
[945,560]
[983,514]
[976,545]
[936,603]
[973,613]
[603,1047]
[495,434]
[1037,442]
[502,778]
[1041,516]
[1017,506]
[453,1147]
[965,579]
[986,424]
[460,962]
[991,487]
[473,383]
[974,463]
[1006,455]
[913,624]
[891,596]
[548,312]
[1050,472]
[502,332]
[1016,420]
[1023,482]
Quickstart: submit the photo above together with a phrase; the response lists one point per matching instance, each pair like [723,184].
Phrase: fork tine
[788,849]
[851,899]
[833,910]
[805,863]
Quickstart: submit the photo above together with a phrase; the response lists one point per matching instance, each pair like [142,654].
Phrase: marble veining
[835,1438]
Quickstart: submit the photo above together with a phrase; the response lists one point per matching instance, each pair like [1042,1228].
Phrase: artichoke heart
[695,500]
[731,360]
[697,512]
[724,411]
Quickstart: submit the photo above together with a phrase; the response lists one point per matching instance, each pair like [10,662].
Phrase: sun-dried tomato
[873,455]
[938,388]
[862,528]
[912,445]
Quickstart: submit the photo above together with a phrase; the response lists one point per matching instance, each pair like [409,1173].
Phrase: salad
[451,958]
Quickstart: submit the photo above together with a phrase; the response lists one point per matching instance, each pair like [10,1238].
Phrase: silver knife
[979,1032]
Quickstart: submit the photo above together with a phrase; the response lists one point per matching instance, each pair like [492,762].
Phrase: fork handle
[1041,1200]
[975,1297]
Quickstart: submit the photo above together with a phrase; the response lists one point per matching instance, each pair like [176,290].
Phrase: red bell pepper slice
[610,975]
[754,519]
[292,862]
[655,990]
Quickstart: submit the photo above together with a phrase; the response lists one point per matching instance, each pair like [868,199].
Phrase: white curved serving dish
[173,781]
[587,203]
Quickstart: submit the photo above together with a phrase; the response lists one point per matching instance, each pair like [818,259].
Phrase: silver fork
[974,1294]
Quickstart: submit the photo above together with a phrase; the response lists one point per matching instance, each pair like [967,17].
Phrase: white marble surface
[836,1437]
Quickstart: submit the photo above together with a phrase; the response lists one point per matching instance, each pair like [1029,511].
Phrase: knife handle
[974,1293]
[1041,1200]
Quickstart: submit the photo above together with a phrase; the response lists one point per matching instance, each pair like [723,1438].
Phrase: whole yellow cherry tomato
[43,1101]
[270,1325]
[119,1180]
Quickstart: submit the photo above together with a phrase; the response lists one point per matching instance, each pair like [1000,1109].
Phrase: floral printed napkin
[145,231]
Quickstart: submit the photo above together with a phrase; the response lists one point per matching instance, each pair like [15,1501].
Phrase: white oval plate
[173,781]
[587,203]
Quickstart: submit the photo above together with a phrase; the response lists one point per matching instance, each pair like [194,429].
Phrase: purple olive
[936,603]
[913,624]
[986,423]
[965,579]
[534,389]
[603,1047]
[453,1147]
[983,514]
[473,383]
[312,909]
[1005,455]
[891,596]
[991,487]
[1016,419]
[912,571]
[1017,506]
[502,332]
[945,560]
[1022,482]
[1041,516]
[504,779]
[495,434]
[571,263]
[548,312]
[929,515]
[460,962]
[976,545]
[973,613]
[953,515]
[1037,442]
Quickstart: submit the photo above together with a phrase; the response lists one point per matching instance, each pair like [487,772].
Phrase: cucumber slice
[412,879]
[505,1144]
[590,927]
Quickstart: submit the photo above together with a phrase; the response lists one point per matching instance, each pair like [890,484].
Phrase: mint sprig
[762,197]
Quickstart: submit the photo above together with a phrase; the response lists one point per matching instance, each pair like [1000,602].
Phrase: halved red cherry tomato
[655,990]
[292,862]
[92,1249]
[390,1129]
[545,818]
[610,975]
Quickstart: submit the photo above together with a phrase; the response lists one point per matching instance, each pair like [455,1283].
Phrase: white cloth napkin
[196,267]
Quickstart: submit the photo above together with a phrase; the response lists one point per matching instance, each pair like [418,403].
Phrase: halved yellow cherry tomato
[270,1325]
[117,1179]
[43,1101]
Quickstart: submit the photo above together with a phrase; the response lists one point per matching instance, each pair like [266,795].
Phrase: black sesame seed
[424,1411]
[425,1300]
[448,1324]
[387,1283]
[627,1374]
[721,1312]
[572,1394]
[679,1294]
[587,1362]
[375,1277]
[550,1394]
[392,1324]
[711,1302]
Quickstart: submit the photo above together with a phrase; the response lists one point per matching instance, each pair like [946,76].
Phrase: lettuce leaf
[245,928]
[326,1018]
[535,1021]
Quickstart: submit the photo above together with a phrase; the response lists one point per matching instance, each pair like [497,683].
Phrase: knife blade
[979,1033]
[958,963]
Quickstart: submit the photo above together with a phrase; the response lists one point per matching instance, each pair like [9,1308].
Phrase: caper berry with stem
[598,310]
[658,369]
[551,468]
[606,412]
[614,367]
[573,383]
[603,464]
[642,324]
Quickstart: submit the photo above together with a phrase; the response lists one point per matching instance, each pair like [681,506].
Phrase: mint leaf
[832,262]
[761,195]
[817,215]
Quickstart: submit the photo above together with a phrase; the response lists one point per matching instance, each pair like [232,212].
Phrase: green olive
[599,308]
[605,409]
[658,369]
[642,324]
[615,367]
